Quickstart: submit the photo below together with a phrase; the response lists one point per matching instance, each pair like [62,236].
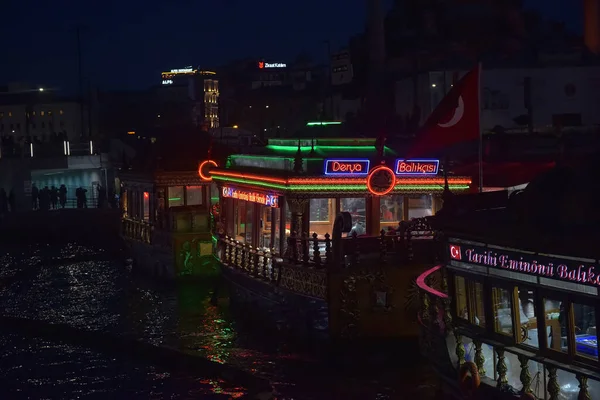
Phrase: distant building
[560,97]
[200,87]
[271,98]
[341,68]
[40,113]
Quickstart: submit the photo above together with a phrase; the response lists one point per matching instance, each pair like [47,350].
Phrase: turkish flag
[455,252]
[455,120]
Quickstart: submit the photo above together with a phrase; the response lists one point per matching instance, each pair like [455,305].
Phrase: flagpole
[480,131]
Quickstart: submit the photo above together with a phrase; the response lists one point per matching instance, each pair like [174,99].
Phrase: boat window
[420,206]
[146,205]
[528,334]
[502,308]
[357,207]
[586,343]
[391,211]
[193,195]
[556,324]
[175,196]
[460,286]
[476,301]
[322,214]
[266,226]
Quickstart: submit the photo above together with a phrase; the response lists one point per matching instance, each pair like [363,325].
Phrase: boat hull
[294,313]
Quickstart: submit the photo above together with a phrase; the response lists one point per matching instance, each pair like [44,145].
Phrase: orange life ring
[468,386]
[528,396]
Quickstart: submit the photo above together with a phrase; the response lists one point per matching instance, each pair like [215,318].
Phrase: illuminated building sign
[182,70]
[268,200]
[545,266]
[262,64]
[417,167]
[347,167]
[167,81]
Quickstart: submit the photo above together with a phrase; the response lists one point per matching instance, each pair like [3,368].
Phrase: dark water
[49,284]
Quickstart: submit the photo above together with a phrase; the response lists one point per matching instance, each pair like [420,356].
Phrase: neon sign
[381,181]
[167,81]
[268,200]
[262,64]
[545,266]
[417,167]
[203,169]
[347,167]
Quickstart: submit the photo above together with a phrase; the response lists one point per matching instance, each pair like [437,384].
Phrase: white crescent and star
[455,252]
[457,116]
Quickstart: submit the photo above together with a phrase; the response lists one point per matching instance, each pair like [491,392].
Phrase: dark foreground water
[54,285]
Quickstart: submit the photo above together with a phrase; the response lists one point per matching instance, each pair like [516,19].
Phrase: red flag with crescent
[455,120]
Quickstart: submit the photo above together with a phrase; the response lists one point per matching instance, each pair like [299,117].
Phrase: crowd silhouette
[52,198]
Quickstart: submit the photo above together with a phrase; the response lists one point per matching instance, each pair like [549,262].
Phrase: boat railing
[145,232]
[517,372]
[257,262]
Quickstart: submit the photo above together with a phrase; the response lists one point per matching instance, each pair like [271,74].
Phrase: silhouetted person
[62,195]
[35,193]
[11,201]
[45,198]
[3,201]
[54,197]
[101,196]
[80,193]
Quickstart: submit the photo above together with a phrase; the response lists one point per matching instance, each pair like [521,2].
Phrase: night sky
[126,44]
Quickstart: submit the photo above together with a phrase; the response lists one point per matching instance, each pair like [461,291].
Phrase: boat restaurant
[302,185]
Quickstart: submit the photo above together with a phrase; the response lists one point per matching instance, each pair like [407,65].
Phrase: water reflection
[78,286]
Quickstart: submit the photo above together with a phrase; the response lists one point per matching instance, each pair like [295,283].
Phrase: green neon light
[294,149]
[323,123]
[214,199]
[175,199]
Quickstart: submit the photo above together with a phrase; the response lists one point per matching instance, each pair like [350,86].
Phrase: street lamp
[41,89]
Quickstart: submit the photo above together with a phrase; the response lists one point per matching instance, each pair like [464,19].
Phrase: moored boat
[325,236]
[511,312]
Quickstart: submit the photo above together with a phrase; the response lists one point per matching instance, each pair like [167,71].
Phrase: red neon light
[261,64]
[432,181]
[146,195]
[340,181]
[378,170]
[203,176]
[337,166]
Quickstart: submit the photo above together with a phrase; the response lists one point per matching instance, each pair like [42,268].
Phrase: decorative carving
[584,394]
[297,207]
[316,252]
[479,358]
[304,281]
[525,376]
[501,368]
[350,310]
[553,386]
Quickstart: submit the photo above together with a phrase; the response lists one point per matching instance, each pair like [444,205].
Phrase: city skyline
[127,46]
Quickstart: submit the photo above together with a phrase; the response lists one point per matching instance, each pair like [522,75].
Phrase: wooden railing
[513,371]
[145,232]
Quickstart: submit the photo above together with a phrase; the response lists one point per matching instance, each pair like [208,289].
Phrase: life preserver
[528,396]
[468,386]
